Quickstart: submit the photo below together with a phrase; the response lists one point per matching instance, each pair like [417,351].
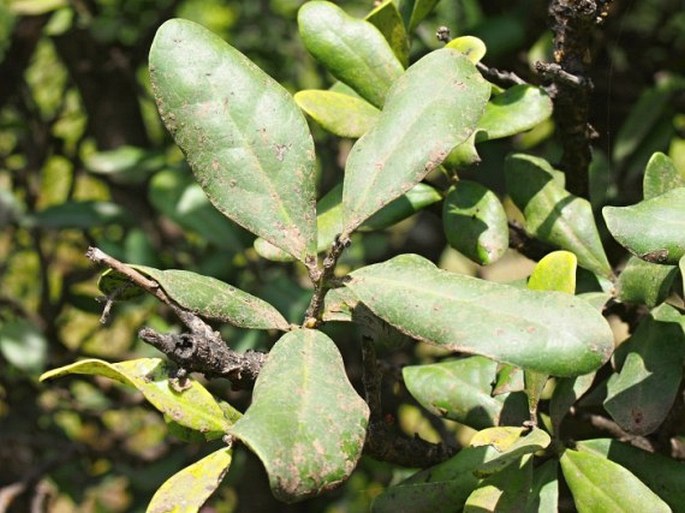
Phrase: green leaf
[461,390]
[544,494]
[79,214]
[555,271]
[183,201]
[503,492]
[353,50]
[432,107]
[554,215]
[549,332]
[516,110]
[640,395]
[507,444]
[443,488]
[654,229]
[644,282]
[566,392]
[207,297]
[340,114]
[388,20]
[682,272]
[306,422]
[471,46]
[243,135]
[420,10]
[23,345]
[329,220]
[600,485]
[475,223]
[193,407]
[187,490]
[661,175]
[663,475]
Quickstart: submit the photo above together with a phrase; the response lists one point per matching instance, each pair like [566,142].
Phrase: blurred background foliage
[84,160]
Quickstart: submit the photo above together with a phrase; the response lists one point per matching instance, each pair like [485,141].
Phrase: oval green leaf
[193,407]
[548,332]
[555,271]
[340,114]
[461,390]
[243,135]
[598,484]
[504,492]
[471,46]
[388,20]
[306,422]
[475,223]
[432,108]
[516,110]
[641,394]
[544,493]
[654,229]
[554,215]
[663,475]
[353,50]
[644,282]
[661,175]
[187,490]
[207,297]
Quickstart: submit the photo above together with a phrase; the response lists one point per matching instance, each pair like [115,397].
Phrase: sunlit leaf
[549,332]
[661,175]
[432,108]
[243,135]
[461,390]
[475,223]
[645,282]
[353,50]
[306,422]
[598,484]
[554,215]
[663,475]
[207,297]
[507,444]
[340,114]
[187,490]
[472,47]
[193,407]
[654,229]
[503,492]
[517,109]
[388,20]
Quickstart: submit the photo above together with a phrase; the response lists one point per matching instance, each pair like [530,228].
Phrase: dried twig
[200,350]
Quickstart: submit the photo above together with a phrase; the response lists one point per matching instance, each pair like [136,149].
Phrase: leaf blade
[306,423]
[252,153]
[461,313]
[413,136]
[193,407]
[187,490]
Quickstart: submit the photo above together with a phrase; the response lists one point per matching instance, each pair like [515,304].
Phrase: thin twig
[502,78]
[322,281]
[201,350]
